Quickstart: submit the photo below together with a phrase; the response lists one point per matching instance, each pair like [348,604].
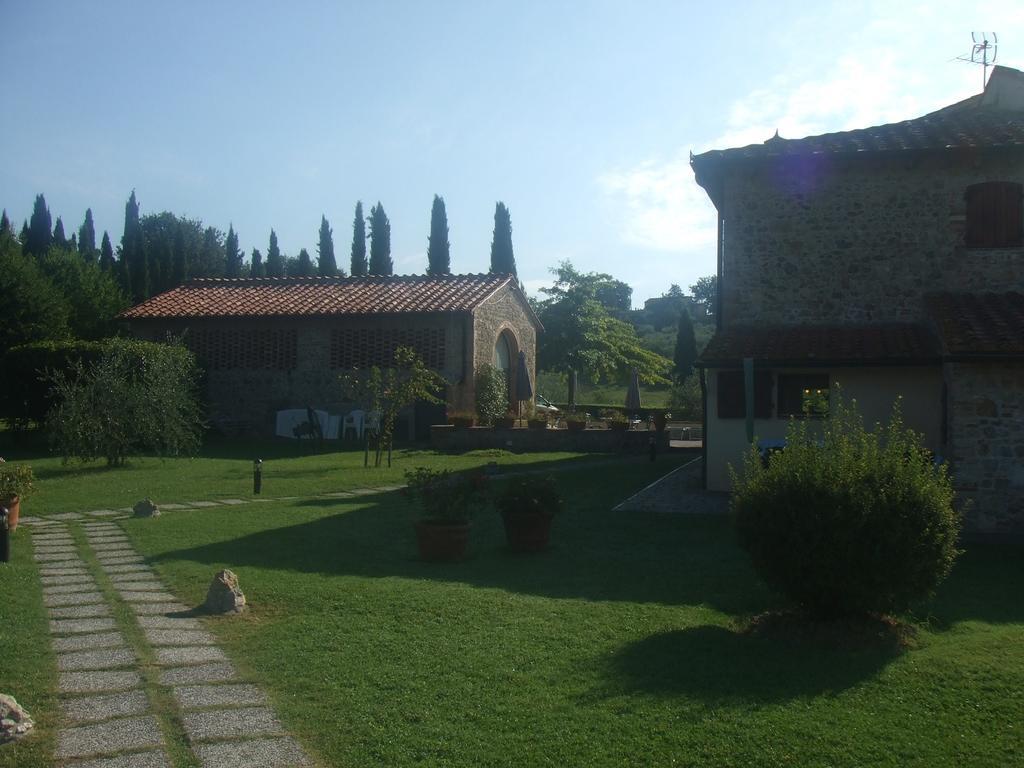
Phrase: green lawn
[619,646]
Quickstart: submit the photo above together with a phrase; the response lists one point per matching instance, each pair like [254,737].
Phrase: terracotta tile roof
[320,296]
[809,345]
[979,324]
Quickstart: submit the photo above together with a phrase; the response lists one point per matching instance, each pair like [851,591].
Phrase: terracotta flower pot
[13,505]
[440,542]
[537,423]
[660,420]
[527,532]
[576,426]
[618,426]
[505,423]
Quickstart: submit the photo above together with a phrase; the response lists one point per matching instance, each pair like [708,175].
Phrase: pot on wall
[527,532]
[440,542]
[13,505]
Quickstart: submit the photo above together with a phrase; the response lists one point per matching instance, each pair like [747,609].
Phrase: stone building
[269,344]
[889,260]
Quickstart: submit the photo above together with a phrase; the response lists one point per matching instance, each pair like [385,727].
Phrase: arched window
[503,354]
[995,212]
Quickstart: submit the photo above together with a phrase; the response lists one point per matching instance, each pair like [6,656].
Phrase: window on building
[803,394]
[731,399]
[995,214]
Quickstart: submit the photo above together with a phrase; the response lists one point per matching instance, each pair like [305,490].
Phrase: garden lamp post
[257,476]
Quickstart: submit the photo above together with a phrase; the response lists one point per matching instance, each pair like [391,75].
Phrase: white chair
[354,421]
[333,427]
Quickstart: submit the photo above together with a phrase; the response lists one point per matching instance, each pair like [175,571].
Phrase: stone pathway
[679,491]
[123,643]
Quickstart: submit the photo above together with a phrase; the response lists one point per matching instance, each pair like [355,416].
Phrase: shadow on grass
[720,666]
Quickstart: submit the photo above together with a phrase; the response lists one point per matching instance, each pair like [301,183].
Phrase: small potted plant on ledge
[576,422]
[508,421]
[616,420]
[15,484]
[527,506]
[537,420]
[461,419]
[447,501]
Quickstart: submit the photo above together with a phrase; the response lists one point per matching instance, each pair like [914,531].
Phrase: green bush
[491,394]
[138,398]
[25,394]
[685,401]
[849,522]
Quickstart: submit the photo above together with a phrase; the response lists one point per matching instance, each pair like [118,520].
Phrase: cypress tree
[359,266]
[327,266]
[179,261]
[256,269]
[380,242]
[686,347]
[40,229]
[305,264]
[438,248]
[134,269]
[503,262]
[23,235]
[5,224]
[87,237]
[106,254]
[275,261]
[59,238]
[232,256]
[73,242]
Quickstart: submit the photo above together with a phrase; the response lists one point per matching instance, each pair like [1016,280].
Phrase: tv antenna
[984,49]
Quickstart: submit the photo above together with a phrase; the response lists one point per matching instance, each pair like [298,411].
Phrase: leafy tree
[581,334]
[179,258]
[503,261]
[232,255]
[380,242]
[33,309]
[327,265]
[105,409]
[107,263]
[686,348]
[359,265]
[438,249]
[87,237]
[40,229]
[256,269]
[389,390]
[705,293]
[211,255]
[275,261]
[93,297]
[59,238]
[304,265]
[845,521]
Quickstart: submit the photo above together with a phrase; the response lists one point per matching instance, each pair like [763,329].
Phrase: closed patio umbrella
[573,387]
[524,389]
[633,393]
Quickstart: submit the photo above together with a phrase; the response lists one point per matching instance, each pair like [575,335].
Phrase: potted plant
[461,419]
[616,420]
[527,506]
[508,421]
[446,501]
[15,484]
[576,422]
[536,419]
[660,420]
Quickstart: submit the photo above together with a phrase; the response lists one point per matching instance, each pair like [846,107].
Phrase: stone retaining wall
[444,437]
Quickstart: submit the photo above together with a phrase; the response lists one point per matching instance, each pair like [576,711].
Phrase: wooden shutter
[731,401]
[995,215]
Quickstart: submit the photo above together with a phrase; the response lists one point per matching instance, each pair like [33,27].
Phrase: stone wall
[985,406]
[821,239]
[504,312]
[447,438]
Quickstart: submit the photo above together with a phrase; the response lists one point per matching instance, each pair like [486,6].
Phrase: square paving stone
[78,570]
[230,695]
[138,577]
[96,681]
[157,609]
[64,549]
[52,537]
[114,550]
[198,673]
[105,706]
[88,642]
[109,737]
[110,658]
[168,622]
[179,637]
[174,507]
[257,753]
[106,537]
[198,654]
[54,590]
[29,520]
[148,597]
[156,759]
[131,568]
[138,584]
[109,543]
[203,504]
[78,626]
[230,723]
[67,516]
[232,502]
[103,513]
[74,579]
[60,557]
[80,611]
[77,598]
[120,559]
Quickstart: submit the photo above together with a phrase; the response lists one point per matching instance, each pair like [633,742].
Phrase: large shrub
[137,398]
[25,395]
[850,521]
[491,394]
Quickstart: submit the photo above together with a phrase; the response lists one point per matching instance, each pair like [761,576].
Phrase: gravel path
[678,492]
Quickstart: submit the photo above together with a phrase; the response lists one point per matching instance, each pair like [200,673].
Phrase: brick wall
[823,239]
[985,406]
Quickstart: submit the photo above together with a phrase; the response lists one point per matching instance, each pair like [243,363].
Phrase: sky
[579,115]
